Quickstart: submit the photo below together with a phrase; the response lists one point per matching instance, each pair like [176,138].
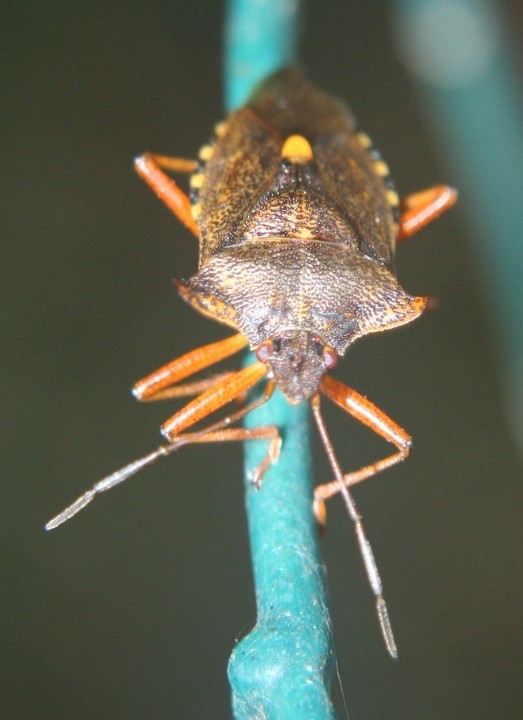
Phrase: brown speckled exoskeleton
[297,222]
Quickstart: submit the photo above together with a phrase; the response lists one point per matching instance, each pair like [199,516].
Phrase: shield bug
[297,221]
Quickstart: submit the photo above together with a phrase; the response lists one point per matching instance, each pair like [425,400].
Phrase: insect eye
[276,344]
[263,351]
[329,358]
[318,346]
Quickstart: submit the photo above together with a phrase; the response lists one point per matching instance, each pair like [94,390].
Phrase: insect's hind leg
[327,490]
[175,164]
[149,166]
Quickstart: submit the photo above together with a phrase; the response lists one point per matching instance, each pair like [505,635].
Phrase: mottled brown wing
[291,105]
[244,162]
[247,157]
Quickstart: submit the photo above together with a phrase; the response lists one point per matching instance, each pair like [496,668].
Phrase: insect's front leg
[159,384]
[367,413]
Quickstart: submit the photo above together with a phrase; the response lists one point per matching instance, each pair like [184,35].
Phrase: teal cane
[281,669]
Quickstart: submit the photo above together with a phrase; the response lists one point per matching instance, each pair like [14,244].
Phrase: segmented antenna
[132,468]
[365,548]
[110,481]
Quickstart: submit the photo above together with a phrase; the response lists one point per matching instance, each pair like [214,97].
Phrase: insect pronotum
[297,221]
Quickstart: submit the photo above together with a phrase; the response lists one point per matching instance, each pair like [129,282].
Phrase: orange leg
[187,389]
[215,398]
[221,431]
[153,386]
[368,414]
[423,207]
[265,432]
[175,164]
[220,393]
[149,169]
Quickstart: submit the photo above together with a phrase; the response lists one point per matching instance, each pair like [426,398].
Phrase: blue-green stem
[282,668]
[260,37]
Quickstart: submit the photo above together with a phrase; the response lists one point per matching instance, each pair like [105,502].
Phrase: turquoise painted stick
[260,37]
[282,669]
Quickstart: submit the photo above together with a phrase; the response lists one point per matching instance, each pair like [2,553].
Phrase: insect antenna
[203,435]
[111,480]
[365,547]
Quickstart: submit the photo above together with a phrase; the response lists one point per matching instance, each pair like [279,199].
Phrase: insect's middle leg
[367,413]
[421,208]
[240,434]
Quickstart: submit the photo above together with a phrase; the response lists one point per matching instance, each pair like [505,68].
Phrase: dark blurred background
[131,610]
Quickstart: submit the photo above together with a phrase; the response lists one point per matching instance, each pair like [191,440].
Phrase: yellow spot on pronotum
[196,181]
[381,168]
[393,198]
[206,152]
[195,209]
[364,140]
[296,149]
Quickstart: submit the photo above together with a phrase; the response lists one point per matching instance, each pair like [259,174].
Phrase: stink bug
[297,222]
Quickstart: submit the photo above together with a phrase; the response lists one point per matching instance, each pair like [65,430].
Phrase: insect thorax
[269,285]
[297,229]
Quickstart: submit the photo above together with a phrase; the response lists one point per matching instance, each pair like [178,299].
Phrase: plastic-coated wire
[260,38]
[282,668]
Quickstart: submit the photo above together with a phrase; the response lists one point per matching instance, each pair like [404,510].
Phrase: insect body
[297,222]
